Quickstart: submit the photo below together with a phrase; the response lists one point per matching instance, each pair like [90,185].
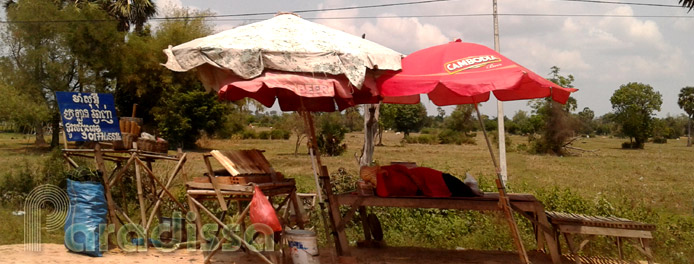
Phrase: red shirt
[394,180]
[398,180]
[430,182]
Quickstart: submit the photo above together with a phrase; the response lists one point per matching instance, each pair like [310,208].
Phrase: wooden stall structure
[151,187]
[574,225]
[525,204]
[243,170]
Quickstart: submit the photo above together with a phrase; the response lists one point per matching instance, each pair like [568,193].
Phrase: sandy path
[56,253]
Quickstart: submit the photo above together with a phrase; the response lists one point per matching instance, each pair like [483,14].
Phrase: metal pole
[500,110]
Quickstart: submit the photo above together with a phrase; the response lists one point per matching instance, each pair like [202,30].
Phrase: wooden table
[621,229]
[525,204]
[142,161]
[197,192]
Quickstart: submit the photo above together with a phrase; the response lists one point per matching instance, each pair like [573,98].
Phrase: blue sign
[88,116]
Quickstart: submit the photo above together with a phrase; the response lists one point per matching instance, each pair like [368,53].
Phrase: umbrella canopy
[309,54]
[465,73]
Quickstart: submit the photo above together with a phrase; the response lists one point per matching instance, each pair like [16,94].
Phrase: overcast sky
[601,51]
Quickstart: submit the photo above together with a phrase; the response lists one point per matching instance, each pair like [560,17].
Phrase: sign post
[91,117]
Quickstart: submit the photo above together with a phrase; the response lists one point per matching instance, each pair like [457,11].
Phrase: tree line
[117,51]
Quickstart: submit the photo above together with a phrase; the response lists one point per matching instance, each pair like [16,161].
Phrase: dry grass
[657,180]
[659,176]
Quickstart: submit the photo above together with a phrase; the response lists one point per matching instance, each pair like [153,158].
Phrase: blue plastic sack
[88,210]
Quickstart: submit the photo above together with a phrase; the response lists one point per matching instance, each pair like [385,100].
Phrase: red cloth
[430,182]
[398,180]
[394,180]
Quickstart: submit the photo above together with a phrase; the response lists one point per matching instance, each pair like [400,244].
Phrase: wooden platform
[571,225]
[525,204]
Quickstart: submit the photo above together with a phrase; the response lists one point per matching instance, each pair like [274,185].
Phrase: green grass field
[653,185]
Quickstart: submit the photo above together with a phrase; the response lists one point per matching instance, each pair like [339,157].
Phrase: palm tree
[687,3]
[686,102]
[131,12]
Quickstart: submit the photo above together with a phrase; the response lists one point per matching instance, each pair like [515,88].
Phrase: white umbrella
[285,43]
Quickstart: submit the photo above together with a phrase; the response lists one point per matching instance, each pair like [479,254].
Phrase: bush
[421,139]
[448,136]
[331,132]
[264,135]
[278,133]
[659,140]
[632,145]
[429,130]
[249,134]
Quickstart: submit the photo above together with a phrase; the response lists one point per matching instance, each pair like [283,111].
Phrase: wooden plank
[616,232]
[214,183]
[458,203]
[341,243]
[140,195]
[225,162]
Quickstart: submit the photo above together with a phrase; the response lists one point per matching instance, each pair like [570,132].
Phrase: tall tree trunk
[38,128]
[689,132]
[55,133]
[371,113]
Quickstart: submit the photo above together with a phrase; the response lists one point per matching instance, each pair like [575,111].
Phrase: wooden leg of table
[646,245]
[140,196]
[365,223]
[619,248]
[572,247]
[341,244]
[550,234]
[298,211]
[198,222]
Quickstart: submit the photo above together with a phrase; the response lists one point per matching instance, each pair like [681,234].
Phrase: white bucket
[303,246]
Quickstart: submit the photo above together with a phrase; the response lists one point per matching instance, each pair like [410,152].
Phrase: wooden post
[341,243]
[140,196]
[98,157]
[504,202]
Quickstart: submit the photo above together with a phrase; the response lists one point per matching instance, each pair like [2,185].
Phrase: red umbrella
[300,91]
[464,73]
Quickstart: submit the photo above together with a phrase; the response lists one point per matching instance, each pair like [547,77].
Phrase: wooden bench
[622,229]
[525,204]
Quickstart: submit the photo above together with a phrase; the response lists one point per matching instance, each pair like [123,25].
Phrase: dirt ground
[56,253]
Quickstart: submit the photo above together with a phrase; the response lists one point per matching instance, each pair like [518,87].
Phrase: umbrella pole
[316,163]
[504,202]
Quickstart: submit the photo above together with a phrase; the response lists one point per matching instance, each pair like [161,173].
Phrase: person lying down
[398,180]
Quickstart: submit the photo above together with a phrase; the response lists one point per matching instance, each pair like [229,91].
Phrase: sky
[614,45]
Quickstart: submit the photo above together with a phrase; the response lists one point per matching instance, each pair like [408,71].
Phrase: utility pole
[500,110]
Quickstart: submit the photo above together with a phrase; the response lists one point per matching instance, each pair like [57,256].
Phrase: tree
[559,125]
[43,58]
[686,102]
[461,119]
[634,105]
[130,12]
[141,78]
[586,117]
[403,117]
[330,133]
[687,3]
[294,122]
[183,117]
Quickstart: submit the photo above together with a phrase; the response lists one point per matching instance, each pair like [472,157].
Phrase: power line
[621,3]
[243,14]
[230,16]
